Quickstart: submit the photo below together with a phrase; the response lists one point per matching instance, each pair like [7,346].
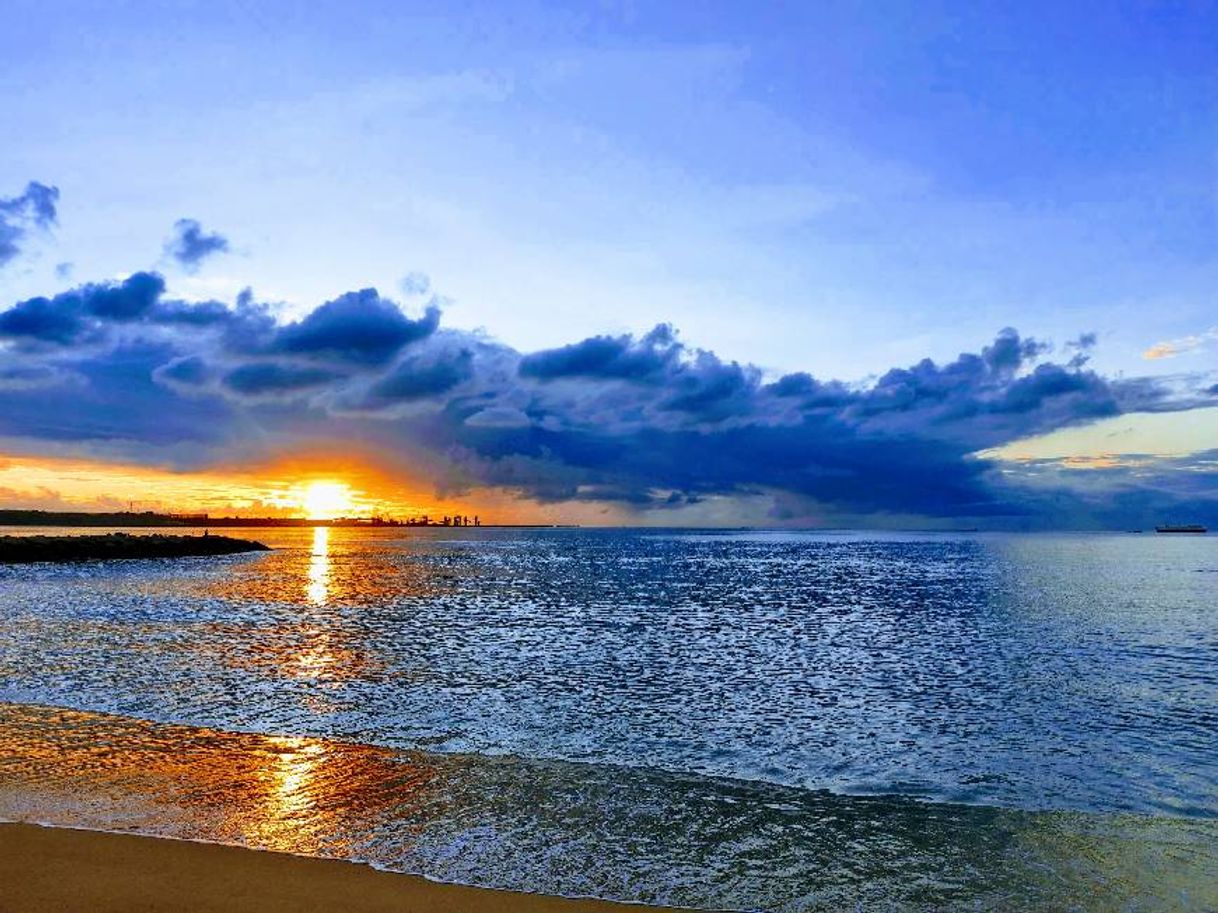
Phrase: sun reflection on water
[317,660]
[291,795]
[318,589]
[294,771]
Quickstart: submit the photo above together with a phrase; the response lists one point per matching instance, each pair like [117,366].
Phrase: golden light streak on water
[318,589]
[319,658]
[291,795]
[300,795]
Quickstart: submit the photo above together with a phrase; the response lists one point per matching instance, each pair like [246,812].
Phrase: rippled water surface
[762,720]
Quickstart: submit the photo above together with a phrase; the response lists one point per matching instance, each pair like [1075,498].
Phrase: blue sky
[836,189]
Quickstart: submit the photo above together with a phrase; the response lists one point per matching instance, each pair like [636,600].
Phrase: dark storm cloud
[190,245]
[710,389]
[358,327]
[812,393]
[646,421]
[196,314]
[695,425]
[608,357]
[270,378]
[110,403]
[130,300]
[35,208]
[71,316]
[419,378]
[979,400]
[43,320]
[817,458]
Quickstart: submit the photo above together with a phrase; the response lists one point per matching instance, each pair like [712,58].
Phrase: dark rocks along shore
[27,549]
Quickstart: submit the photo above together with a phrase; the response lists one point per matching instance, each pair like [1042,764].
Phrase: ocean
[727,720]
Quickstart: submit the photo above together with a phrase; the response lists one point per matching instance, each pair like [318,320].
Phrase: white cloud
[1172,347]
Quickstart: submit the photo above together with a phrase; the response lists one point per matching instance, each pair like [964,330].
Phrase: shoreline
[215,793]
[61,868]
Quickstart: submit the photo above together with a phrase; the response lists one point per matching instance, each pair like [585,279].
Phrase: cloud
[710,389]
[416,283]
[498,417]
[130,300]
[646,422]
[190,245]
[1121,491]
[1173,347]
[35,208]
[42,320]
[608,357]
[24,377]
[114,406]
[1081,347]
[358,327]
[270,378]
[189,371]
[613,415]
[70,317]
[419,378]
[196,314]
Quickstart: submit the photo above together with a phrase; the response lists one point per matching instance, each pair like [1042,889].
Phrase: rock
[27,549]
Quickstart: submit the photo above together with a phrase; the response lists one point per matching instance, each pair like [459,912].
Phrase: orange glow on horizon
[306,485]
[322,490]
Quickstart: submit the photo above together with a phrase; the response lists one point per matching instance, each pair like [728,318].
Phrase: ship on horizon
[1180,528]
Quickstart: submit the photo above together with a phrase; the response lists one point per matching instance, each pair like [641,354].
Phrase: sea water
[760,720]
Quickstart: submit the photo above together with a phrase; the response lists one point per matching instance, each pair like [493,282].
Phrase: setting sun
[326,500]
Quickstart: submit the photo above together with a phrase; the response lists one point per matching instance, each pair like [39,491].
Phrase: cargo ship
[1183,528]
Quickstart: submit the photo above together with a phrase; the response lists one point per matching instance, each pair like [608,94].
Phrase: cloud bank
[647,423]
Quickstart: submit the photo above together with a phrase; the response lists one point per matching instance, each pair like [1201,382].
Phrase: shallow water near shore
[589,830]
[763,720]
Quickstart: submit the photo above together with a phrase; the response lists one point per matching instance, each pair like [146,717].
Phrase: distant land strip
[154,519]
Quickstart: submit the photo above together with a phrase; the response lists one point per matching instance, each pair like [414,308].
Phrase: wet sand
[44,869]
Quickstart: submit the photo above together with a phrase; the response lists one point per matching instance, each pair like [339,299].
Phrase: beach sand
[54,869]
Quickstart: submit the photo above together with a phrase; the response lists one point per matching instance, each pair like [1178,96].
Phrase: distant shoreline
[153,520]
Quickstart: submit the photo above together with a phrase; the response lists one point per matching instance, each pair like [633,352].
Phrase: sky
[890,264]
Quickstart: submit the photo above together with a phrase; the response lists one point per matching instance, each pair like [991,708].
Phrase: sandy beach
[44,869]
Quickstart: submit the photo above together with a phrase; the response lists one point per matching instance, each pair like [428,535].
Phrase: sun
[326,500]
